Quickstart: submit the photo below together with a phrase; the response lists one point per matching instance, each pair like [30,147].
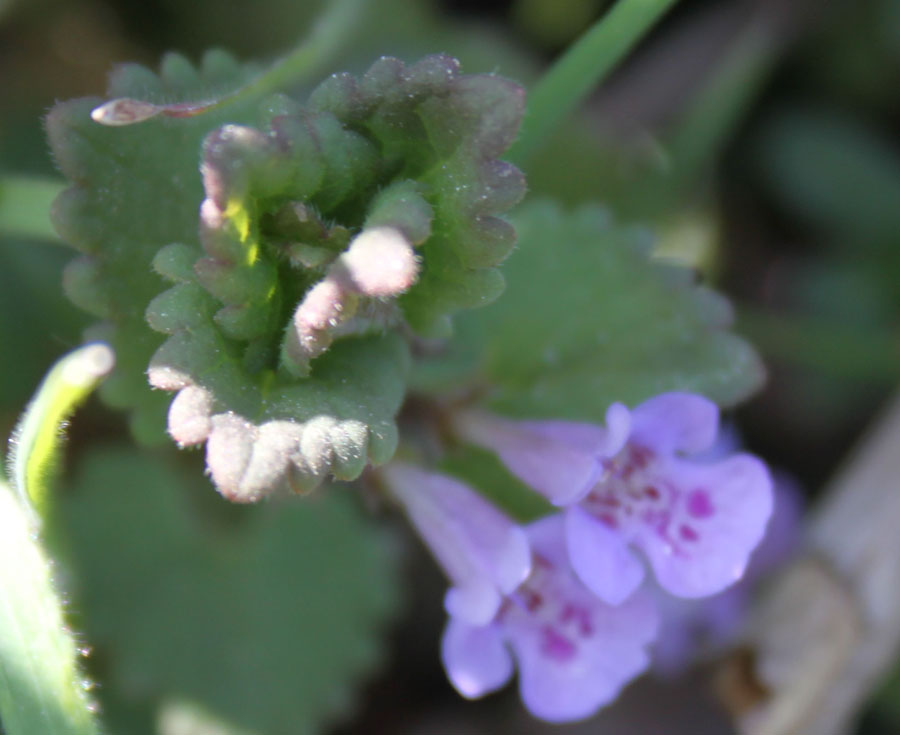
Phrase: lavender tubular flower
[575,653]
[632,484]
[516,599]
[482,551]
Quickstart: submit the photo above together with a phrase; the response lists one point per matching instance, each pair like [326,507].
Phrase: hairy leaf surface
[589,318]
[281,339]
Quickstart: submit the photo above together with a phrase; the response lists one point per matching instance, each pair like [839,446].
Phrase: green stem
[24,204]
[829,348]
[583,66]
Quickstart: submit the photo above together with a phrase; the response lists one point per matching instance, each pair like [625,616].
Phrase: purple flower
[631,484]
[483,552]
[574,652]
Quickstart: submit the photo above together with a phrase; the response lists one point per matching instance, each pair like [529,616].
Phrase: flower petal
[475,658]
[482,551]
[475,602]
[559,459]
[721,518]
[600,558]
[560,690]
[676,422]
[547,537]
[591,439]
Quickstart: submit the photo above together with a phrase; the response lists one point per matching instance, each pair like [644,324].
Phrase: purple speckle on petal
[699,505]
[609,520]
[555,645]
[687,533]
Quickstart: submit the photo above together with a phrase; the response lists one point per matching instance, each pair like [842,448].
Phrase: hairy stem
[582,67]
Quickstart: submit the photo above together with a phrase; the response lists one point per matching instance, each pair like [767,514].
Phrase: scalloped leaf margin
[413,148]
[592,317]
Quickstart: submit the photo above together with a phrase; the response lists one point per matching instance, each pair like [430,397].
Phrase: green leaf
[265,289]
[590,318]
[264,618]
[424,126]
[332,422]
[135,189]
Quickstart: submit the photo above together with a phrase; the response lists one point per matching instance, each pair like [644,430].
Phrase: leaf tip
[124,111]
[89,364]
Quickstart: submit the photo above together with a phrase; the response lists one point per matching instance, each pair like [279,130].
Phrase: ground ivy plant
[314,287]
[326,230]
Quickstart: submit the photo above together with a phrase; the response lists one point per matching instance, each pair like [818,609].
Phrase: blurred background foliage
[758,138]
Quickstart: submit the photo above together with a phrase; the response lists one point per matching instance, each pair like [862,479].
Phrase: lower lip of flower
[562,624]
